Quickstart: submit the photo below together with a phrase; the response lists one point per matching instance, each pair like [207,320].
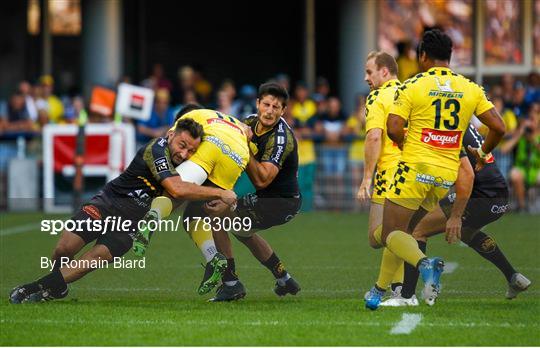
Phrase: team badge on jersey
[161,164]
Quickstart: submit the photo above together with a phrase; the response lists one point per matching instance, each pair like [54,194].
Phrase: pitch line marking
[20,229]
[407,324]
[450,267]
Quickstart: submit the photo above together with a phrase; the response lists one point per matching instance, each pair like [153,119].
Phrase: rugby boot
[20,293]
[373,298]
[213,272]
[142,237]
[399,301]
[430,270]
[227,293]
[518,283]
[291,287]
[46,295]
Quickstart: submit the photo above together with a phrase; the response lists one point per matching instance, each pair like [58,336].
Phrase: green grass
[326,252]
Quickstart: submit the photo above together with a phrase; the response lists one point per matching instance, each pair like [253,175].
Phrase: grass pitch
[326,252]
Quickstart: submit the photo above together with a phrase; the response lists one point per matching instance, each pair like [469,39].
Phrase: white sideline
[407,324]
[450,267]
[20,229]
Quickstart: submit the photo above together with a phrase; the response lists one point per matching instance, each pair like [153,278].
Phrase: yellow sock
[203,239]
[162,205]
[398,276]
[405,247]
[377,235]
[389,265]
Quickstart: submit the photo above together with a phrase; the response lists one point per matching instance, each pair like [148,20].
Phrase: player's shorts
[480,211]
[266,212]
[223,160]
[420,185]
[263,212]
[116,240]
[383,179]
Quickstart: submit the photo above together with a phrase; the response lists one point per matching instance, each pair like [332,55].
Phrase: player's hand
[229,198]
[453,230]
[215,208]
[249,132]
[480,162]
[363,193]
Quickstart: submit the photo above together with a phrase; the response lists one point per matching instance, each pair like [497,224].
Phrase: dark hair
[187,108]
[189,125]
[275,90]
[436,44]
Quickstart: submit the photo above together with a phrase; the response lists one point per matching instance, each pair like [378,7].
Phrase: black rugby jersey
[489,181]
[279,147]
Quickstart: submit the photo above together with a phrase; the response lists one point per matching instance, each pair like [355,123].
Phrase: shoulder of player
[156,148]
[250,120]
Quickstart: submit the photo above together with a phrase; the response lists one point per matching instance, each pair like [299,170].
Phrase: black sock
[230,272]
[486,246]
[275,266]
[54,282]
[410,277]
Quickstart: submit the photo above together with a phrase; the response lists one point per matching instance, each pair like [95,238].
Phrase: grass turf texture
[326,252]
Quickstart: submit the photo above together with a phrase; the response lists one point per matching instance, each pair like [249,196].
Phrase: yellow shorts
[383,179]
[223,160]
[420,185]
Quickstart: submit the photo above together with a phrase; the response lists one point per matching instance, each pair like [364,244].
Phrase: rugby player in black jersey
[488,201]
[150,174]
[272,169]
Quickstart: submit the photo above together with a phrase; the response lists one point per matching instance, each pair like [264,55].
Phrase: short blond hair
[383,59]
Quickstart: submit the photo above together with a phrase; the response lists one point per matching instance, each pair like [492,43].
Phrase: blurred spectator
[201,85]
[512,94]
[526,171]
[284,81]
[160,121]
[228,86]
[224,102]
[355,133]
[303,111]
[322,87]
[503,153]
[14,116]
[42,105]
[55,106]
[333,153]
[532,91]
[157,79]
[406,61]
[246,104]
[75,106]
[25,88]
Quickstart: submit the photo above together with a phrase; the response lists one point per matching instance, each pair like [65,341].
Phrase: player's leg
[375,225]
[67,247]
[517,177]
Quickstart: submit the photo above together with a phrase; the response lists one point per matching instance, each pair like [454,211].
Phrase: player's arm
[396,129]
[372,147]
[261,174]
[398,115]
[463,186]
[488,115]
[180,189]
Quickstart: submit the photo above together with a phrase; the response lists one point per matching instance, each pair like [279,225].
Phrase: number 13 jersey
[438,105]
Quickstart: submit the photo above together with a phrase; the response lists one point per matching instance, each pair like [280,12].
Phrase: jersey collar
[439,69]
[390,83]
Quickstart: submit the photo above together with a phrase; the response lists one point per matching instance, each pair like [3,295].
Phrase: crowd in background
[330,139]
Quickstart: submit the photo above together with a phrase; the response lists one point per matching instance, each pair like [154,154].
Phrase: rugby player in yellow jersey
[438,105]
[380,151]
[220,159]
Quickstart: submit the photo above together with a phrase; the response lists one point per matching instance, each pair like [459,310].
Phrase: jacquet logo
[441,139]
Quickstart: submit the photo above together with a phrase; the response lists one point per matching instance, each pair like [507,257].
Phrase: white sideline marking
[20,229]
[450,267]
[407,324]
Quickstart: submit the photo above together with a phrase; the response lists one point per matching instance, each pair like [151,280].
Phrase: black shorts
[480,211]
[266,212]
[116,240]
